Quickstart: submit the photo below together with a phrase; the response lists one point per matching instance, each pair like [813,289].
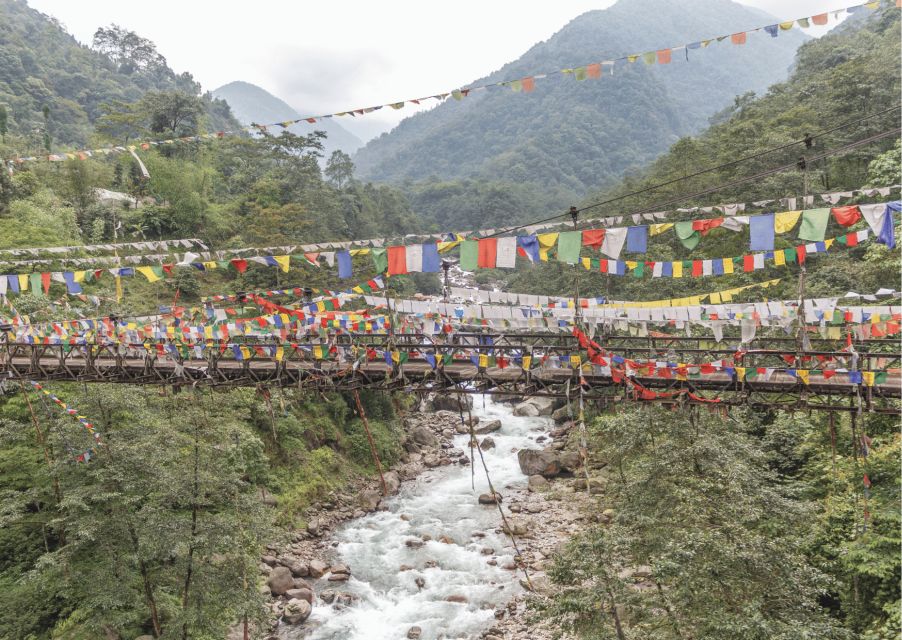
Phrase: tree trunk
[190,568]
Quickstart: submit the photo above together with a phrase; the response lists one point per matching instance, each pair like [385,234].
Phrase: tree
[696,502]
[128,51]
[339,169]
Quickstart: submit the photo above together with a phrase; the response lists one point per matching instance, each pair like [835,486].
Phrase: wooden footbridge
[670,370]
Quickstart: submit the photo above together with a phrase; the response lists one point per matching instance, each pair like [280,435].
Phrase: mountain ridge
[497,134]
[251,103]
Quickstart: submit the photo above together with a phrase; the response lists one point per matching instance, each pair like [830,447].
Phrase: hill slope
[43,65]
[251,103]
[568,137]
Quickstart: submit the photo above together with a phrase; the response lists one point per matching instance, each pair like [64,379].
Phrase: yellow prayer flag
[209,265]
[280,354]
[483,360]
[740,373]
[677,269]
[79,276]
[786,26]
[657,229]
[23,282]
[359,252]
[284,262]
[587,263]
[779,258]
[445,247]
[527,361]
[546,242]
[318,352]
[728,265]
[868,377]
[148,273]
[829,242]
[715,298]
[786,220]
[575,361]
[803,375]
[208,332]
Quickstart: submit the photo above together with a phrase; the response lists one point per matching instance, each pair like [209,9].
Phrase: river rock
[456,597]
[488,427]
[488,498]
[431,461]
[298,568]
[392,482]
[280,581]
[300,594]
[296,611]
[487,443]
[561,415]
[317,568]
[338,577]
[515,527]
[423,436]
[413,543]
[544,405]
[548,463]
[328,596]
[414,633]
[461,428]
[369,499]
[452,402]
[340,568]
[270,560]
[537,483]
[526,409]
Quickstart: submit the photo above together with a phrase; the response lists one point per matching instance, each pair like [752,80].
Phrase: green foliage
[725,540]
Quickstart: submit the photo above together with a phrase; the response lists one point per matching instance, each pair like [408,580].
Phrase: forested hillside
[53,89]
[566,139]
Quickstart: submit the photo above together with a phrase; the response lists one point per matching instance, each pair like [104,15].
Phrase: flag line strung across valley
[527,84]
[567,246]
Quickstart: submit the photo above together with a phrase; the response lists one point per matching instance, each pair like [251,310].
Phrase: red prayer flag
[820,19]
[800,253]
[664,56]
[846,216]
[239,264]
[851,239]
[748,263]
[697,269]
[488,253]
[593,238]
[397,260]
[45,282]
[528,84]
[738,38]
[706,225]
[593,70]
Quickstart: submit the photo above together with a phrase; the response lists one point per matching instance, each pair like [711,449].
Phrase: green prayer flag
[568,246]
[35,284]
[380,259]
[686,235]
[639,271]
[516,85]
[580,73]
[814,225]
[649,57]
[790,255]
[469,255]
[881,377]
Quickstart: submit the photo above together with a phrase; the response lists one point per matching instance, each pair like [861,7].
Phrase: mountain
[251,103]
[570,136]
[41,65]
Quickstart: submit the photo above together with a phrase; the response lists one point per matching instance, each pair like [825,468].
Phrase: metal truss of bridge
[118,364]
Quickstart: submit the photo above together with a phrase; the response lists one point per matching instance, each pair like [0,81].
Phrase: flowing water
[440,502]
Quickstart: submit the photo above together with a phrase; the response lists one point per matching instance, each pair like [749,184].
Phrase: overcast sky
[335,55]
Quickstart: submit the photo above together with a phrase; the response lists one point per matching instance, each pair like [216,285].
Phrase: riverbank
[431,561]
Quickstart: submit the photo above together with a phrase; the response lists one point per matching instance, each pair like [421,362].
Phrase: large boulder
[423,436]
[297,567]
[300,594]
[537,483]
[296,611]
[452,402]
[280,581]
[488,427]
[369,499]
[545,406]
[561,415]
[317,568]
[526,409]
[487,443]
[392,481]
[547,463]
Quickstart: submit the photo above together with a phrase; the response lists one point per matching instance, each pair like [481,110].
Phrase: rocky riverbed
[433,560]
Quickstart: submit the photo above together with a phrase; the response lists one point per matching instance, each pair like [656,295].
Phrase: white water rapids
[440,502]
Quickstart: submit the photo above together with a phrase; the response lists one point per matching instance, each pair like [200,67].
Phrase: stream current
[440,502]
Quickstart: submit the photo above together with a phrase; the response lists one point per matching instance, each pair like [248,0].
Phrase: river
[440,502]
